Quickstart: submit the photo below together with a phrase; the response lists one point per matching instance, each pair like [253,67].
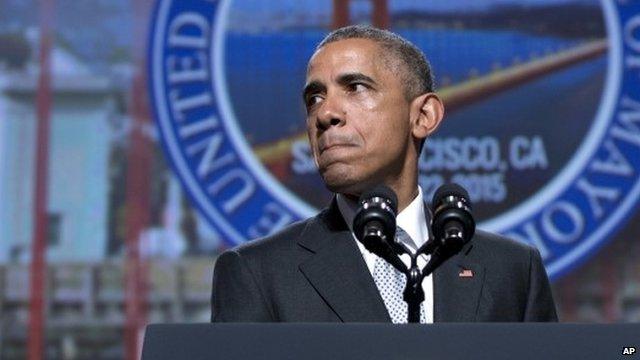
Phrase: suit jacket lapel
[456,292]
[338,272]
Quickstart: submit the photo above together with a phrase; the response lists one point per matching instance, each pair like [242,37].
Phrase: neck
[405,193]
[404,184]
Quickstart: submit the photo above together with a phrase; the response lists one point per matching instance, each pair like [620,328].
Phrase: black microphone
[375,223]
[453,225]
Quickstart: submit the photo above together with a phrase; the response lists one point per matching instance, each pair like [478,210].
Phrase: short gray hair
[417,72]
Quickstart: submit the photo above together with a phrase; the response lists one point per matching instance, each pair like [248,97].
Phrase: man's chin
[344,184]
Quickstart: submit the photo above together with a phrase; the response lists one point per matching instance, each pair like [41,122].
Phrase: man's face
[357,116]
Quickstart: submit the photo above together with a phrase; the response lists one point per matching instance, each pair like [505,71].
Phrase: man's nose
[331,113]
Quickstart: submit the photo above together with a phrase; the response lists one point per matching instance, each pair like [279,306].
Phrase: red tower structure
[37,272]
[139,164]
[341,14]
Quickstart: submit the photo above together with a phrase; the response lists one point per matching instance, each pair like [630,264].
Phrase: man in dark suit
[370,107]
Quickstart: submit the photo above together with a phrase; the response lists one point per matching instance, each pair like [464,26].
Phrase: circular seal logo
[542,124]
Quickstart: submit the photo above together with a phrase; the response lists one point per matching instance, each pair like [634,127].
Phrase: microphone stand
[413,293]
[388,248]
[375,228]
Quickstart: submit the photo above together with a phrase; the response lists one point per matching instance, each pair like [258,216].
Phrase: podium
[511,341]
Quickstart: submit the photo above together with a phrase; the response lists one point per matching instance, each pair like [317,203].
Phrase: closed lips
[326,143]
[327,147]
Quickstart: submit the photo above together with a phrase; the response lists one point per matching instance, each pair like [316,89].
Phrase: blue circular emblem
[567,219]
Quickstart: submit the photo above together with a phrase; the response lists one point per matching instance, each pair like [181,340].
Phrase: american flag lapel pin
[465,273]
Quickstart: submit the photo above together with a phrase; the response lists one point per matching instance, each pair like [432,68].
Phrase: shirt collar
[411,219]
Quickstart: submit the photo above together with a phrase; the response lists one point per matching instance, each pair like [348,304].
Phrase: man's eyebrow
[316,86]
[348,78]
[312,87]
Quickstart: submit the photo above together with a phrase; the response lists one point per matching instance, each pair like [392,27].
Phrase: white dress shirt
[413,221]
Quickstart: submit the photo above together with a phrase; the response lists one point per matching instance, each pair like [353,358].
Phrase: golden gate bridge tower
[341,13]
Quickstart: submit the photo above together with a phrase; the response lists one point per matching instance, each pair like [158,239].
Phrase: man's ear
[427,111]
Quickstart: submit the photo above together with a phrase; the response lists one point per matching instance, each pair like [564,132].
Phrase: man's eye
[357,87]
[313,99]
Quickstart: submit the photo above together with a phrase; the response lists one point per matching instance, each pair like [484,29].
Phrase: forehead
[349,55]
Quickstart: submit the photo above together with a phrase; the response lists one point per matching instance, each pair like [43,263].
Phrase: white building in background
[78,185]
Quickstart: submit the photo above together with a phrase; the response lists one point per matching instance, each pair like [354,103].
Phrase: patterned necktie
[391,283]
